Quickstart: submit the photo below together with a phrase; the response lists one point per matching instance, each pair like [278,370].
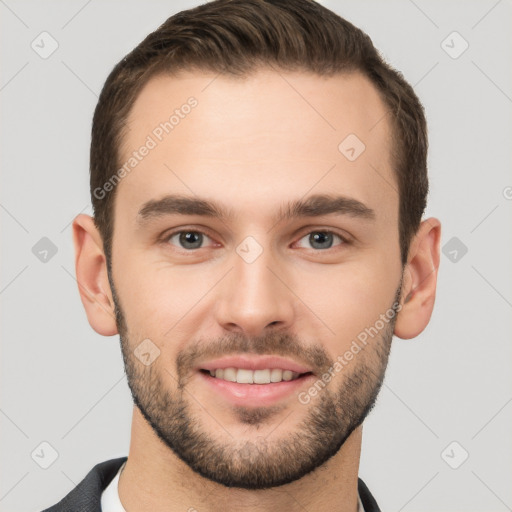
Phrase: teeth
[276,375]
[287,375]
[244,376]
[261,376]
[229,374]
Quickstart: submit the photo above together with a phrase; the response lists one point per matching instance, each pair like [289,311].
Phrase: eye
[191,240]
[187,239]
[322,239]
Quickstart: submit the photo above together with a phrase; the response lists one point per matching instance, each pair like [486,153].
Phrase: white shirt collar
[110,501]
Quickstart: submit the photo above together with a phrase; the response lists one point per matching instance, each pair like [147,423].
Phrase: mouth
[254,380]
[264,376]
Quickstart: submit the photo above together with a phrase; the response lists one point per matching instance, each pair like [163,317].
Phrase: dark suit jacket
[86,496]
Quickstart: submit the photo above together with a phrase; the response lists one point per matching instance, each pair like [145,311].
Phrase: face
[280,253]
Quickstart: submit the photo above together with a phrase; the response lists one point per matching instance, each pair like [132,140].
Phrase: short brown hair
[235,37]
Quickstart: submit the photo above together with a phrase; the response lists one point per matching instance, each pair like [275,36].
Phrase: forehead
[272,132]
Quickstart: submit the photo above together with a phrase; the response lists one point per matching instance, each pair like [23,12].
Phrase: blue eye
[322,239]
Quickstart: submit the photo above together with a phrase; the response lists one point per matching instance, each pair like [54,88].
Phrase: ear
[420,280]
[92,278]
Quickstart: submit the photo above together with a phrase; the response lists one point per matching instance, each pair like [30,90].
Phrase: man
[258,177]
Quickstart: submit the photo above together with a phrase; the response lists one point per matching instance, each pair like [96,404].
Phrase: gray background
[63,384]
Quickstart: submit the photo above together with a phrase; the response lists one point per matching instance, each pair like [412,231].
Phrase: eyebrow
[313,206]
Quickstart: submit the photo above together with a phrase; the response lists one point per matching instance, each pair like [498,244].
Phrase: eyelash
[345,241]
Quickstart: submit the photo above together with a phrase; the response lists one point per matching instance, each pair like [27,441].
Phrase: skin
[252,144]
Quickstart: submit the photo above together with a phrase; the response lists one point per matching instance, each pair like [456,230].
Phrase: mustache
[275,343]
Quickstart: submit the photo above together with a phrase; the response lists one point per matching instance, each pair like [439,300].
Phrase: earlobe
[92,278]
[420,280]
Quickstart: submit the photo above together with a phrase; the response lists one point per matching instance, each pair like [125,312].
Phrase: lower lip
[255,394]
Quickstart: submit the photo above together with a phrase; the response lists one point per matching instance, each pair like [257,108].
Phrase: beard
[257,462]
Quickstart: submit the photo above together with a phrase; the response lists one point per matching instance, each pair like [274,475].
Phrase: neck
[155,480]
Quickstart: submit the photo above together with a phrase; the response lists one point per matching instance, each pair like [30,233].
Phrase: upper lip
[254,363]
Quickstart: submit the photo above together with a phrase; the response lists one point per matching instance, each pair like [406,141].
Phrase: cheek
[349,298]
[161,301]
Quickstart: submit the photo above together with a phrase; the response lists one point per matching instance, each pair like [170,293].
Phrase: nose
[254,298]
